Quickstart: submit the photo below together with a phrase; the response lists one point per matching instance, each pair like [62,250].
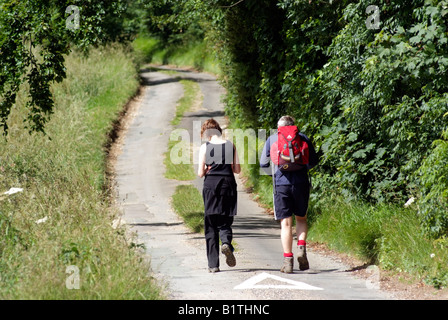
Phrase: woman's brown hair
[210,127]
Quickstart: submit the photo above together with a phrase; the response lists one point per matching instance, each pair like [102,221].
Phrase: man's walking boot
[288,264]
[302,259]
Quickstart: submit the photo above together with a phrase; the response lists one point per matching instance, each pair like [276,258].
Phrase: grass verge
[386,235]
[174,170]
[188,204]
[56,237]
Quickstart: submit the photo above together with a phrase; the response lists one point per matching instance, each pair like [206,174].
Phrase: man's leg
[302,231]
[301,228]
[301,195]
[286,238]
[282,206]
[286,234]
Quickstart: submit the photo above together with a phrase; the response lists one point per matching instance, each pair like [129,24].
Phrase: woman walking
[218,161]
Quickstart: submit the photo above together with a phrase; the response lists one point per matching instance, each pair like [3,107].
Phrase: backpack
[289,152]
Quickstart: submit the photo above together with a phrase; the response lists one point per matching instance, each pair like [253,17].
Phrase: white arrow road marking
[291,284]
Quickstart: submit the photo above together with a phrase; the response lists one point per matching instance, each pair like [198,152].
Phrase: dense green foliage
[174,21]
[374,100]
[35,37]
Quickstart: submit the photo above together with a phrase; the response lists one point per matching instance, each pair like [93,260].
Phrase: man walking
[291,188]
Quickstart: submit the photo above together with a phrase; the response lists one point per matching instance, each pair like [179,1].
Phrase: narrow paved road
[177,255]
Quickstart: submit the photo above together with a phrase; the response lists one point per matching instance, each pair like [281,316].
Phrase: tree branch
[232,5]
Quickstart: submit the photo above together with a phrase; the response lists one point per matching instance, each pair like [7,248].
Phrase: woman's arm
[236,167]
[202,169]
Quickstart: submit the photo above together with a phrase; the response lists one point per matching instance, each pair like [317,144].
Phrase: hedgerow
[369,87]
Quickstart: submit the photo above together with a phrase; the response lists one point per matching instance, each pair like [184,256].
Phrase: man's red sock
[287,254]
[301,243]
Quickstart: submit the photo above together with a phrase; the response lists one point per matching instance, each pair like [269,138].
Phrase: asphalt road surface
[178,258]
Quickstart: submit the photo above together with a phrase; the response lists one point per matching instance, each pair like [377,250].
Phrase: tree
[35,35]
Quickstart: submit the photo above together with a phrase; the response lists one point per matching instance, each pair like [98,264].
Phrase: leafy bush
[434,181]
[372,100]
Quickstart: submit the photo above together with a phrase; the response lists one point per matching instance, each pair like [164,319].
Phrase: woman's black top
[219,192]
[220,158]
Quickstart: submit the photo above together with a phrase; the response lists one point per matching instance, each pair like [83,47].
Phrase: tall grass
[386,235]
[145,48]
[64,215]
[188,204]
[196,55]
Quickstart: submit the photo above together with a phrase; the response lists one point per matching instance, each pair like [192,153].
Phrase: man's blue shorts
[291,200]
